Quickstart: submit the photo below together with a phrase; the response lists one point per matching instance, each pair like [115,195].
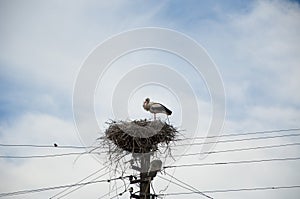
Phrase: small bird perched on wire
[155,108]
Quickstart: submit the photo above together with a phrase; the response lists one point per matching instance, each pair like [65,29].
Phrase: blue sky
[254,44]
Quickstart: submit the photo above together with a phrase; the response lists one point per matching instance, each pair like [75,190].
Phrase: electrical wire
[79,187]
[202,153]
[47,188]
[46,146]
[238,140]
[187,165]
[184,187]
[44,156]
[200,137]
[57,187]
[59,193]
[236,190]
[167,186]
[244,134]
[240,149]
[121,186]
[200,192]
[254,189]
[233,162]
[151,184]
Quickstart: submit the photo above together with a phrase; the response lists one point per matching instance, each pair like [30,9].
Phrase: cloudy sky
[253,44]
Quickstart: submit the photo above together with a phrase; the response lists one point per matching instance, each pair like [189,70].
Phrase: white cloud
[266,41]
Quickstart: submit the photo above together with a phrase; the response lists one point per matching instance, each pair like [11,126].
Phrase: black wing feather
[159,108]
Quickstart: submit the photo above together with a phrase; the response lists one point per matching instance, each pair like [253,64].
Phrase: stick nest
[140,136]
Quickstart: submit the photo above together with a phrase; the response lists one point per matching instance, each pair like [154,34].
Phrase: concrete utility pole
[144,177]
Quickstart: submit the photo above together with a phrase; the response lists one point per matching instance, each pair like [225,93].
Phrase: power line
[200,192]
[59,193]
[203,137]
[184,187]
[240,149]
[58,187]
[52,197]
[245,133]
[47,188]
[46,146]
[233,162]
[239,140]
[235,190]
[44,156]
[190,154]
[254,189]
[79,187]
[121,186]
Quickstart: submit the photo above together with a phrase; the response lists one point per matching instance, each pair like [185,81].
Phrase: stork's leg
[154,116]
[168,120]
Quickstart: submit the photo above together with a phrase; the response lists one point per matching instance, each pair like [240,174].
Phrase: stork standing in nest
[155,107]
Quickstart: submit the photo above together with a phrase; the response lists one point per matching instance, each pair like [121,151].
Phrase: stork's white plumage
[155,108]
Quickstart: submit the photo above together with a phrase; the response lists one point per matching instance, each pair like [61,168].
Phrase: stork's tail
[168,111]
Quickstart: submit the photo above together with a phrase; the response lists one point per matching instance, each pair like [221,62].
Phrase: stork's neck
[146,106]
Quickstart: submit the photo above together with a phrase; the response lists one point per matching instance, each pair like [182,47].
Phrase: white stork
[155,107]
